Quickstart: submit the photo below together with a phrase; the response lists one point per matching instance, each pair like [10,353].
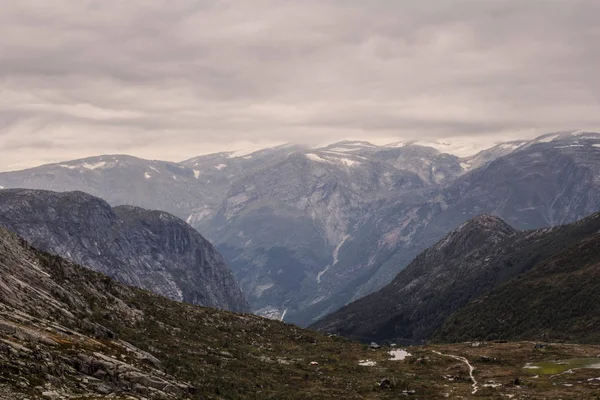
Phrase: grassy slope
[556,300]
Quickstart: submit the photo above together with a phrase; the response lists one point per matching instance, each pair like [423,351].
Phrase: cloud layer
[173,79]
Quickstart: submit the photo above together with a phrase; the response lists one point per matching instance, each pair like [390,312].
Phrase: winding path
[471,368]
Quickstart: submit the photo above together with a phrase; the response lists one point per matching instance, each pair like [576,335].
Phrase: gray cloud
[173,79]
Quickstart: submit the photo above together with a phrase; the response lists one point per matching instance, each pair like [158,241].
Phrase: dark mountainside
[555,301]
[472,260]
[148,249]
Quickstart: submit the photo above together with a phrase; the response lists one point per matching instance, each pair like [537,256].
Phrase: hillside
[475,258]
[67,332]
[153,250]
[557,300]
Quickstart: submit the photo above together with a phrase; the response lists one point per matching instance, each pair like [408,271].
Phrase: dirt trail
[475,385]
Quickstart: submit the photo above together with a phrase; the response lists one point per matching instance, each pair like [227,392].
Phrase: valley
[70,333]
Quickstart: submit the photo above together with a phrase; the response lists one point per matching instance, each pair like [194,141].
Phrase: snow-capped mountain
[308,229]
[121,179]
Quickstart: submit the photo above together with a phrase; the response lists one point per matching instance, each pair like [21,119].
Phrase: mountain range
[308,230]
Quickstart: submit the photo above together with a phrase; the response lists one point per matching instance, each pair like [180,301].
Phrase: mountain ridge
[470,261]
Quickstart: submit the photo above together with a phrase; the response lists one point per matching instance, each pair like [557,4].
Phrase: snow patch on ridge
[94,166]
[547,139]
[314,157]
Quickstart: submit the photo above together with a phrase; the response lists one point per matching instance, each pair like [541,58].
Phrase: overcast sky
[174,79]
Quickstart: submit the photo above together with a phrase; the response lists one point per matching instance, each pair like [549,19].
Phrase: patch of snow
[530,366]
[245,152]
[399,355]
[510,146]
[196,174]
[220,166]
[465,165]
[458,146]
[345,161]
[67,166]
[349,162]
[154,169]
[367,363]
[492,385]
[314,157]
[547,139]
[94,166]
[147,175]
[1,187]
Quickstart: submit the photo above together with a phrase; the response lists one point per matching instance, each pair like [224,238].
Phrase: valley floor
[313,367]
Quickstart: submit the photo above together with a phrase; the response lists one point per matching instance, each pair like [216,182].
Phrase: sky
[174,79]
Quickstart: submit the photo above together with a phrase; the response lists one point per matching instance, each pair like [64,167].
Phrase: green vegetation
[557,300]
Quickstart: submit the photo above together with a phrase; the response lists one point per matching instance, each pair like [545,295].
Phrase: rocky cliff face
[477,257]
[148,249]
[42,315]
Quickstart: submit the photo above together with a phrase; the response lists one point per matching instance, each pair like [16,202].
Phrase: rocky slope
[67,332]
[475,258]
[148,249]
